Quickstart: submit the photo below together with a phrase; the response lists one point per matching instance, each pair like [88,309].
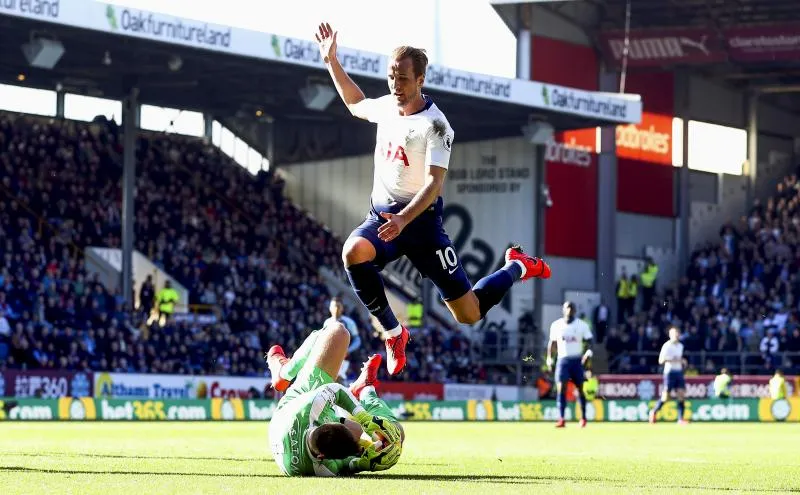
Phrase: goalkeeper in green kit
[321,428]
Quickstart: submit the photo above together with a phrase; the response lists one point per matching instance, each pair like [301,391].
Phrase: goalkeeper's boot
[368,376]
[276,358]
[532,267]
[396,352]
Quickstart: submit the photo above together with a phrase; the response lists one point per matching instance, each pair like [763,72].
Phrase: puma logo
[700,45]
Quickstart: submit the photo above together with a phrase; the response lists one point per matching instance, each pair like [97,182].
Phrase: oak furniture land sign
[154,26]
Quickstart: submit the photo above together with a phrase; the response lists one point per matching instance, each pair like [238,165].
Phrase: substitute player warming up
[672,358]
[567,335]
[412,154]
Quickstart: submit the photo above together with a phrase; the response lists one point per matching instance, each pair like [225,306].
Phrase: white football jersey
[404,146]
[672,355]
[569,336]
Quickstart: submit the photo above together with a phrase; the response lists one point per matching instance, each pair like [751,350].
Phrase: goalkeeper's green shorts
[310,378]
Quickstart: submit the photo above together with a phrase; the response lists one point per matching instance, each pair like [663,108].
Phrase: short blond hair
[419,59]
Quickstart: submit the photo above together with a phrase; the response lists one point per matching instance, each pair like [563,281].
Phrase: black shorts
[425,243]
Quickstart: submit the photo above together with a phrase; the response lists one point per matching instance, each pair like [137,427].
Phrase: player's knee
[338,333]
[468,316]
[357,250]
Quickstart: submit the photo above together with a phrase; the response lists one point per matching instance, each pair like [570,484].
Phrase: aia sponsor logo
[394,154]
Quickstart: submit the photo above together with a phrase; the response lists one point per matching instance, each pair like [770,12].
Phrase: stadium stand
[737,303]
[244,251]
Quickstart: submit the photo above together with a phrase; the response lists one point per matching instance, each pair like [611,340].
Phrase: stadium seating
[737,303]
[233,239]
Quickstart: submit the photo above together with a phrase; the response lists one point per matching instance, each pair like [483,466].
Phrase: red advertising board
[45,384]
[571,160]
[764,43]
[646,387]
[645,176]
[661,47]
[650,141]
[666,47]
[571,174]
[411,391]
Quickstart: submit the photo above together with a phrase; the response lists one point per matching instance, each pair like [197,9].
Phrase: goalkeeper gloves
[377,459]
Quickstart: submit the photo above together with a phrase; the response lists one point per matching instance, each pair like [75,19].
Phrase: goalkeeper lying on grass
[308,436]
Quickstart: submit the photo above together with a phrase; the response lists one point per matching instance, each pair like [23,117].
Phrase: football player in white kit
[567,336]
[674,363]
[412,154]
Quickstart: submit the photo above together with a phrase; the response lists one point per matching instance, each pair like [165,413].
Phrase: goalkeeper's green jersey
[294,419]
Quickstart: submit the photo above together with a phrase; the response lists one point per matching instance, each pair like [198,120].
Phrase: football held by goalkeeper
[321,428]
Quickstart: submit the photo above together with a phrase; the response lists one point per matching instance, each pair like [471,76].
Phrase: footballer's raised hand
[326,39]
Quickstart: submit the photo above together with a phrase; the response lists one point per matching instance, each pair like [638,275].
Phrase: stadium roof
[714,22]
[235,72]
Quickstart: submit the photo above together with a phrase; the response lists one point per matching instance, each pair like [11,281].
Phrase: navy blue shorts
[569,368]
[674,380]
[426,245]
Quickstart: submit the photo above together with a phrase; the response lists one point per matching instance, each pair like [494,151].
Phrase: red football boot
[396,352]
[368,376]
[276,358]
[533,267]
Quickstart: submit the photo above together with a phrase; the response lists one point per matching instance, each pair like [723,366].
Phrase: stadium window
[86,108]
[716,148]
[173,120]
[240,150]
[27,100]
[226,141]
[216,131]
[254,161]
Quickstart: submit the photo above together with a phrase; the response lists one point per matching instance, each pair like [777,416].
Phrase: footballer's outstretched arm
[552,348]
[589,353]
[335,394]
[348,90]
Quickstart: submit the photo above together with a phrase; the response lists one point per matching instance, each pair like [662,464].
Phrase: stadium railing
[742,363]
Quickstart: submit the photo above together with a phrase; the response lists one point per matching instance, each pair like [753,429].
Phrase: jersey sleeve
[330,395]
[439,143]
[371,109]
[587,332]
[662,357]
[553,332]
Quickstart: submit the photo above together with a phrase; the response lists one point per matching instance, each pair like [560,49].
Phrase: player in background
[412,154]
[674,363]
[336,307]
[318,427]
[722,384]
[777,386]
[567,336]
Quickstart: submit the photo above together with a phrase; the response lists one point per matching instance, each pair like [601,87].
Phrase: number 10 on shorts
[448,259]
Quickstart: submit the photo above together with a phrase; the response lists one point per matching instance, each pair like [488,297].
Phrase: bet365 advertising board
[235,409]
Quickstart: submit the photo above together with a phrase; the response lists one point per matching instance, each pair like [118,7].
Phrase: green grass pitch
[520,458]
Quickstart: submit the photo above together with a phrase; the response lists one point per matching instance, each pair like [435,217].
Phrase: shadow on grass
[459,478]
[490,478]
[171,457]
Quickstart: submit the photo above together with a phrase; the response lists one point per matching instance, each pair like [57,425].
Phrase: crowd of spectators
[739,296]
[239,246]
